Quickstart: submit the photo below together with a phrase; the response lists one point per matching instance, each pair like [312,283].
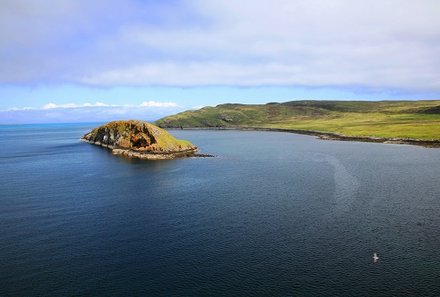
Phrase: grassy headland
[412,120]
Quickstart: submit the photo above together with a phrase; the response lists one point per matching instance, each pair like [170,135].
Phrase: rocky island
[139,139]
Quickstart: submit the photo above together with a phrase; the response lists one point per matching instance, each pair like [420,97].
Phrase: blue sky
[77,60]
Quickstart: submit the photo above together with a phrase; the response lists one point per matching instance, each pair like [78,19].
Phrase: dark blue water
[274,214]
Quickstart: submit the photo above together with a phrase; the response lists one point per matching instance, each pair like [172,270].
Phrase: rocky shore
[424,143]
[139,139]
[332,136]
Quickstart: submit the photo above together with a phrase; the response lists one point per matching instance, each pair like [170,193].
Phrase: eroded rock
[139,139]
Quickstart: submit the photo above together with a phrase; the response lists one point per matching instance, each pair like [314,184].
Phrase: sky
[93,61]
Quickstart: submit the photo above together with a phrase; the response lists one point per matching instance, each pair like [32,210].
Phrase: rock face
[139,139]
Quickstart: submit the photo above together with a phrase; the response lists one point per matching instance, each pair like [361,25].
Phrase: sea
[272,214]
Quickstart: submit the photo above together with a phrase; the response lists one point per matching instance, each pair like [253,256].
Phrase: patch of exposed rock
[139,139]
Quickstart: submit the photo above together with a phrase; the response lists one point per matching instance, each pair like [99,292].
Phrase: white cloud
[19,108]
[198,107]
[89,112]
[158,104]
[73,105]
[338,43]
[100,105]
[377,44]
[316,75]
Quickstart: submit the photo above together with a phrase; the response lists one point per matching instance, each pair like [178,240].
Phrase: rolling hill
[405,120]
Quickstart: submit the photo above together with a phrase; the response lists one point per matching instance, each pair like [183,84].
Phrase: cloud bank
[316,43]
[88,112]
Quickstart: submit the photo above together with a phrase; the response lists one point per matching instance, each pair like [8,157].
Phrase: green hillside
[386,119]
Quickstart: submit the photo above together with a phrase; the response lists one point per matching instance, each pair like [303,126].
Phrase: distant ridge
[413,122]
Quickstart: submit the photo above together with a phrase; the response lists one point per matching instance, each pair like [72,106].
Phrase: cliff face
[139,139]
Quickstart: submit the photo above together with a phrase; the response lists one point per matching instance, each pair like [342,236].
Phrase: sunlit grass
[402,119]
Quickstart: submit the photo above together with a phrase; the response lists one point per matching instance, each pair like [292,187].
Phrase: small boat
[375,257]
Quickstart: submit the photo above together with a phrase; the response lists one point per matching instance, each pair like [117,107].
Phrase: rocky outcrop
[139,139]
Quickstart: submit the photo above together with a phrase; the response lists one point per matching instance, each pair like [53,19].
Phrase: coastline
[328,135]
[147,155]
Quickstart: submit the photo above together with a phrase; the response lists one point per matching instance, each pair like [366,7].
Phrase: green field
[387,119]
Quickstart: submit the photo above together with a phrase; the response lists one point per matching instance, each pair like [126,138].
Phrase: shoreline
[148,155]
[328,135]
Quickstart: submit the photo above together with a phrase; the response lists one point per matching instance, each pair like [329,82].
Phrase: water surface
[274,214]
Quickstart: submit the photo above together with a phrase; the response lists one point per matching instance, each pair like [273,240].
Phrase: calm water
[274,214]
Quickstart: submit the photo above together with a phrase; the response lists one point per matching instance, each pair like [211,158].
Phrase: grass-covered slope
[386,119]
